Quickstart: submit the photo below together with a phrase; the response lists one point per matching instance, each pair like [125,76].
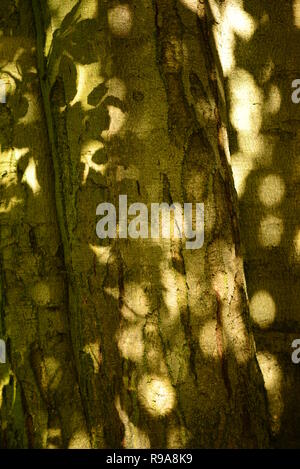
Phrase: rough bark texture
[133,343]
[258,44]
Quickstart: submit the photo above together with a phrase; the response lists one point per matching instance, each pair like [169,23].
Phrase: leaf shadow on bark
[268,207]
[216,399]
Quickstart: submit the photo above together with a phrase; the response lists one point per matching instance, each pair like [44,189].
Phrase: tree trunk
[115,343]
[265,149]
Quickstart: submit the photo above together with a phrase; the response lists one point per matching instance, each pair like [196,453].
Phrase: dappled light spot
[9,74]
[231,19]
[48,38]
[103,254]
[117,88]
[41,293]
[135,300]
[130,343]
[54,438]
[240,171]
[246,99]
[20,152]
[271,370]
[207,339]
[272,104]
[134,437]
[222,282]
[4,380]
[271,190]
[169,292]
[224,136]
[157,395]
[120,20]
[79,440]
[88,151]
[256,146]
[272,375]
[30,177]
[239,20]
[117,121]
[191,5]
[88,79]
[89,9]
[8,167]
[224,39]
[9,174]
[93,350]
[270,231]
[296,8]
[13,202]
[262,308]
[112,291]
[3,91]
[297,243]
[32,112]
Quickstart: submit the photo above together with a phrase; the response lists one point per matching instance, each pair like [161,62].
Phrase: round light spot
[120,20]
[297,243]
[262,308]
[271,190]
[156,394]
[131,344]
[191,5]
[271,229]
[246,99]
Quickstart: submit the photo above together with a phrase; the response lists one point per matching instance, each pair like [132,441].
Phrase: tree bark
[123,342]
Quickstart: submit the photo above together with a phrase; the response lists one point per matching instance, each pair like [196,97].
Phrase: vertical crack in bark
[180,124]
[169,55]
